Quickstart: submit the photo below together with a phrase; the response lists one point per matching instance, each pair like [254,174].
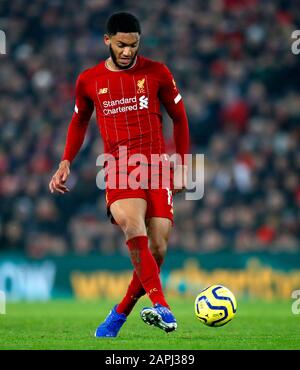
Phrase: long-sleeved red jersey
[127,104]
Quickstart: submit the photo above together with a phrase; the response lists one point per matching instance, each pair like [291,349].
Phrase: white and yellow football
[215,306]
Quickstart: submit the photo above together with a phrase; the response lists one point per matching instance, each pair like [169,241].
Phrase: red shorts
[159,201]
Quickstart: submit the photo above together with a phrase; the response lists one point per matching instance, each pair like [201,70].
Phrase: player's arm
[75,136]
[172,101]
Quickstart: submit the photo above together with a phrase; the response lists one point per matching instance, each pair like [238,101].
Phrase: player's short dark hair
[122,22]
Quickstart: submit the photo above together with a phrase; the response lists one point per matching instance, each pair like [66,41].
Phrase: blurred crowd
[240,81]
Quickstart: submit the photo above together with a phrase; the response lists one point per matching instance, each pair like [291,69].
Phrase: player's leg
[160,211]
[158,231]
[129,214]
[132,224]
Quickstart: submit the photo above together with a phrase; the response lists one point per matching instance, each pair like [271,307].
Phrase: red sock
[134,292]
[146,269]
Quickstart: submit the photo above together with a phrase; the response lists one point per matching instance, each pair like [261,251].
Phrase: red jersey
[127,104]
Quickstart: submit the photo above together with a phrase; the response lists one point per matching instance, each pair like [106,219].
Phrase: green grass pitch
[70,324]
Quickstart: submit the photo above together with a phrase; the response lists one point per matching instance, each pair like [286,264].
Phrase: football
[215,306]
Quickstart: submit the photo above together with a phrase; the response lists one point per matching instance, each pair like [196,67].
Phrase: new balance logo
[104,90]
[143,102]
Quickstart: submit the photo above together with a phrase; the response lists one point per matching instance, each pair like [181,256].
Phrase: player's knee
[132,227]
[158,246]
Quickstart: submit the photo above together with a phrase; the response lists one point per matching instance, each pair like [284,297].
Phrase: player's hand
[58,180]
[180,179]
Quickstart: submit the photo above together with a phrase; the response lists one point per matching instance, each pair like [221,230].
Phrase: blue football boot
[111,325]
[159,316]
